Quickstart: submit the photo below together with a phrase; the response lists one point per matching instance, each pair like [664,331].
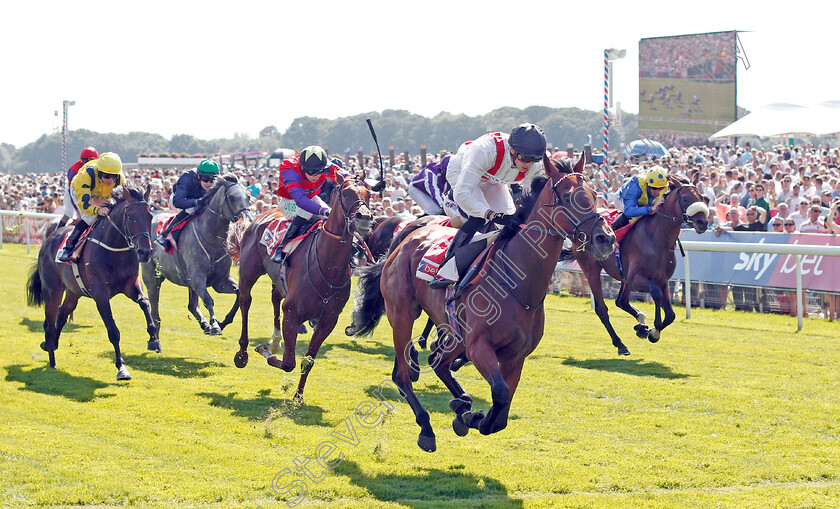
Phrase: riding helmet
[208,167]
[528,140]
[109,163]
[314,160]
[657,177]
[89,153]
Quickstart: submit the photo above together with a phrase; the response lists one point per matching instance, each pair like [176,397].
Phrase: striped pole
[606,105]
[64,140]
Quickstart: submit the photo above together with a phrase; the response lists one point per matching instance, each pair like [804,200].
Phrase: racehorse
[501,313]
[317,277]
[201,260]
[648,261]
[108,265]
[381,234]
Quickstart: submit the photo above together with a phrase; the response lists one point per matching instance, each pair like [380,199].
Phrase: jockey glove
[506,220]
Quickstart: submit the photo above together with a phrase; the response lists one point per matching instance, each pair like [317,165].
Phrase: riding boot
[66,253]
[294,228]
[161,239]
[621,221]
[462,237]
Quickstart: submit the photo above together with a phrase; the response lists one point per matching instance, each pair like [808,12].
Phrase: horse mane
[219,183]
[120,194]
[529,198]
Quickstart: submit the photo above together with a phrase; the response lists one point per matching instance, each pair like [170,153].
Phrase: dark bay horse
[317,277]
[648,261]
[201,260]
[500,316]
[108,265]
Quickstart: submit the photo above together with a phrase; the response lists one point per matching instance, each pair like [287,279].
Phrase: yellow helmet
[657,177]
[110,163]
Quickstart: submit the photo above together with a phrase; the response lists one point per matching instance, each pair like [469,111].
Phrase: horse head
[684,203]
[229,199]
[352,197]
[574,199]
[132,218]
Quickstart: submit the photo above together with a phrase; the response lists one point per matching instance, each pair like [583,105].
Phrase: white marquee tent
[787,121]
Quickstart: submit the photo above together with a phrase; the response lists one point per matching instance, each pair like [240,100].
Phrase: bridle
[348,215]
[227,185]
[577,232]
[129,240]
[682,216]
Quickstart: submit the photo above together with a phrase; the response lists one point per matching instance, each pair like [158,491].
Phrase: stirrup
[278,256]
[439,283]
[65,255]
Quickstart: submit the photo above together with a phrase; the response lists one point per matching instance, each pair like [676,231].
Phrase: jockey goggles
[103,175]
[525,158]
[206,178]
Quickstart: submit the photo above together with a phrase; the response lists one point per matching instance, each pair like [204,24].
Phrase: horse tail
[234,239]
[370,305]
[34,295]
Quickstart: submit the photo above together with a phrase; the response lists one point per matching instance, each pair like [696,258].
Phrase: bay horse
[201,260]
[108,265]
[648,261]
[501,314]
[317,277]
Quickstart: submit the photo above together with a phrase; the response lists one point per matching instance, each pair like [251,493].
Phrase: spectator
[813,224]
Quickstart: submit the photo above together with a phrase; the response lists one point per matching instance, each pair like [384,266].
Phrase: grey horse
[201,260]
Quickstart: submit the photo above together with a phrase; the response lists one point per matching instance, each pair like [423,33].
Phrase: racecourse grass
[729,409]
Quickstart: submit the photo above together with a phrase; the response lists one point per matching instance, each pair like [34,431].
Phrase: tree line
[394,128]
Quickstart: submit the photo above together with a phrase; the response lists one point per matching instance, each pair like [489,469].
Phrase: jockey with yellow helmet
[641,195]
[88,154]
[92,187]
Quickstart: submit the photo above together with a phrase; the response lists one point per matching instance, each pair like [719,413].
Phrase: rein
[128,240]
[683,216]
[221,215]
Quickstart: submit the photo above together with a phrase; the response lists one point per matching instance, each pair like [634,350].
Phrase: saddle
[274,232]
[173,239]
[466,257]
[81,242]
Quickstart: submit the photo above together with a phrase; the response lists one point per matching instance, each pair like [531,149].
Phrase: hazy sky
[212,69]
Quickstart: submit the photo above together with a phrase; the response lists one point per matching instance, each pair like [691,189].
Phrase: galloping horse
[501,313]
[107,266]
[201,260]
[317,277]
[648,261]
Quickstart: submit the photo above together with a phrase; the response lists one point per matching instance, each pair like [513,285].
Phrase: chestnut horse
[501,314]
[648,261]
[108,265]
[317,277]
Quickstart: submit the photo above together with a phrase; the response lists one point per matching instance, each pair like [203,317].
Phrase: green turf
[729,410]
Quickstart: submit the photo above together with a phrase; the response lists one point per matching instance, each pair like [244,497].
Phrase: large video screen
[687,85]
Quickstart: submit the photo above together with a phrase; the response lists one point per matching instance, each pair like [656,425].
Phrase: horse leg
[51,331]
[484,358]
[291,322]
[136,294]
[592,271]
[325,325]
[269,350]
[248,275]
[662,298]
[623,302]
[401,323]
[153,284]
[229,286]
[103,304]
[192,306]
[441,360]
[209,303]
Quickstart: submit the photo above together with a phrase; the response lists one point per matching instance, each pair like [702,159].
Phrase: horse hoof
[44,346]
[214,331]
[653,335]
[458,363]
[427,443]
[302,329]
[622,350]
[641,331]
[153,345]
[459,427]
[123,374]
[313,323]
[350,330]
[240,360]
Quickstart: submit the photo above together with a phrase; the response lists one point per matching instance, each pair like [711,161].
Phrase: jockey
[641,195]
[429,188]
[189,191]
[92,187]
[480,173]
[301,179]
[70,211]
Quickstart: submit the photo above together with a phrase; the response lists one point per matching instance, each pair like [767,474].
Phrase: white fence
[24,227]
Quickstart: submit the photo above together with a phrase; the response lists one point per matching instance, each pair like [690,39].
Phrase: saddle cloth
[610,215]
[273,235]
[465,256]
[164,223]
